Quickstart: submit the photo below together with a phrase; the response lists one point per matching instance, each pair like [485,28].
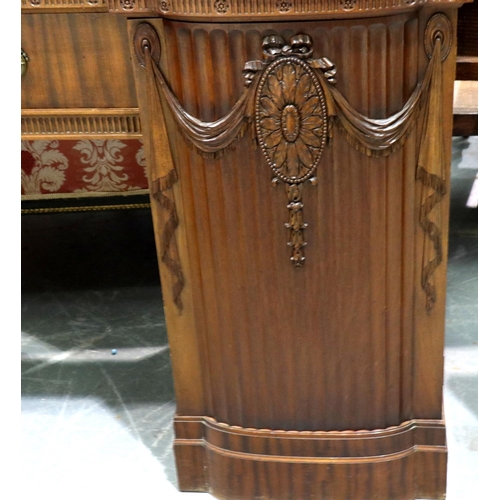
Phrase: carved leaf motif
[271,123]
[280,153]
[273,139]
[267,105]
[289,83]
[309,108]
[274,91]
[303,152]
[311,139]
[292,160]
[313,123]
[304,86]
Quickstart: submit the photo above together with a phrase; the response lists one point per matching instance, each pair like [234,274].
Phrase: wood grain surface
[403,462]
[76,60]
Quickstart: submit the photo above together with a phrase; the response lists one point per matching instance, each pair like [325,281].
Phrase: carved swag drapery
[292,107]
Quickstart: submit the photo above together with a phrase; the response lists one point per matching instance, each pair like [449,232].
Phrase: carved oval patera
[291,119]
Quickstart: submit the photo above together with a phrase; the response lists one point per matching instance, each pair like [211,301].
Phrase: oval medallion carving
[291,119]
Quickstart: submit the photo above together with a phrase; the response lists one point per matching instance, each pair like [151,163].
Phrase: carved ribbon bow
[300,46]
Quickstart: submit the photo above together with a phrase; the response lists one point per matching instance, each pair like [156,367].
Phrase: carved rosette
[127,4]
[291,119]
[348,4]
[221,6]
[283,6]
[164,6]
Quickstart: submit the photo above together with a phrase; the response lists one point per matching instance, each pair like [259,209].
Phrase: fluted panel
[344,308]
[394,217]
[410,79]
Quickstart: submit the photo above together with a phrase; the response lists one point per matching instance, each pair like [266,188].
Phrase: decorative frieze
[131,7]
[75,123]
[266,8]
[64,5]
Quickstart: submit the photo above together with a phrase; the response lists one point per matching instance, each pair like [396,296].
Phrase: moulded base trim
[404,462]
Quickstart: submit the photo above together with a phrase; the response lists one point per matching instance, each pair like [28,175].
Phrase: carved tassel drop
[296,225]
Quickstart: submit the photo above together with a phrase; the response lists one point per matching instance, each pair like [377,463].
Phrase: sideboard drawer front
[76,61]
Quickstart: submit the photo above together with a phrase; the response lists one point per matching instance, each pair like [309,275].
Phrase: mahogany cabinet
[298,158]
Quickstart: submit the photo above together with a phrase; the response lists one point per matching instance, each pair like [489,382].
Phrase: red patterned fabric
[82,166]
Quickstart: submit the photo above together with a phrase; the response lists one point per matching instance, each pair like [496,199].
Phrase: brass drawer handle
[24,62]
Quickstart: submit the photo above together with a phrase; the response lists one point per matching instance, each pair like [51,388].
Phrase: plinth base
[405,462]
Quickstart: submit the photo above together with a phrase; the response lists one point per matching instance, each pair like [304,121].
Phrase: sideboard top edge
[281,10]
[238,10]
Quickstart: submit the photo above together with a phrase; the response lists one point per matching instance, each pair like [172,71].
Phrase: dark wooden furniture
[300,371]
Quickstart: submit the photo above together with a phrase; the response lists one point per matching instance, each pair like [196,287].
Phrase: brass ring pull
[24,62]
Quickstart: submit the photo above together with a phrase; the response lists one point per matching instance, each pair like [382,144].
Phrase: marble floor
[97,393]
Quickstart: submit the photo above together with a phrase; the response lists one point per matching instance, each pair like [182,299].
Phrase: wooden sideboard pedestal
[298,159]
[301,371]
